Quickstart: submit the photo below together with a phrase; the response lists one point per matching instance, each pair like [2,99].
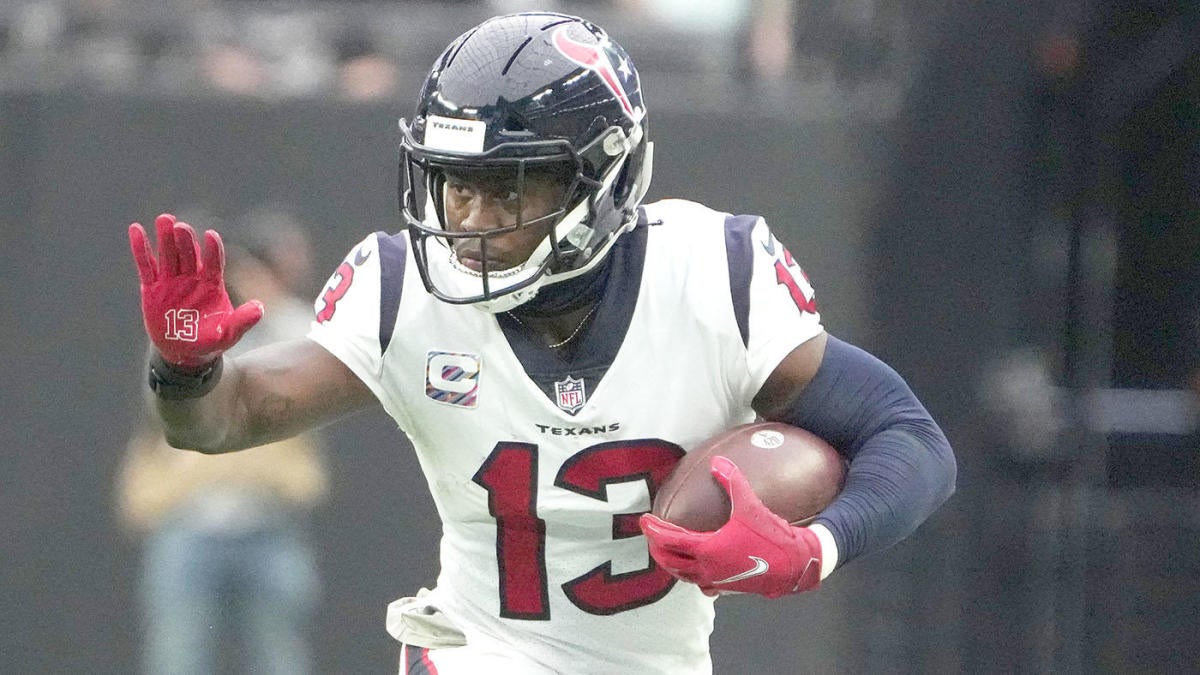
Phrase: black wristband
[175,383]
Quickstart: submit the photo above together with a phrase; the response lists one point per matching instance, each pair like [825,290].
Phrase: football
[795,473]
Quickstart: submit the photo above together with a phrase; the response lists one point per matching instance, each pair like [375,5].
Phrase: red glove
[755,552]
[185,307]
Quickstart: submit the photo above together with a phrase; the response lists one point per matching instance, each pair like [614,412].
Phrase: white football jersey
[539,466]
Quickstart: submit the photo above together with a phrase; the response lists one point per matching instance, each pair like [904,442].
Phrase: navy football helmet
[523,93]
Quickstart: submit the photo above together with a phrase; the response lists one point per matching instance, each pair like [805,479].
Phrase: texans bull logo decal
[592,57]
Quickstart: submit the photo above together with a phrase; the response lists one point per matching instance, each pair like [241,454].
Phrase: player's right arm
[211,403]
[265,395]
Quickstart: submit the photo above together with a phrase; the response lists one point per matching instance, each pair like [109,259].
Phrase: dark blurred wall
[949,269]
[1044,187]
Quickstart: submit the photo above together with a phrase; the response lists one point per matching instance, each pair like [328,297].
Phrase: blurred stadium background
[1000,199]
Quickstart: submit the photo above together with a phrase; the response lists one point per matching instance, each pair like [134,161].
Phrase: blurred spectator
[265,53]
[770,45]
[233,69]
[848,41]
[717,25]
[273,236]
[687,16]
[364,72]
[227,561]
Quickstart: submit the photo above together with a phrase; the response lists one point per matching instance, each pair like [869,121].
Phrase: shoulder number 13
[510,477]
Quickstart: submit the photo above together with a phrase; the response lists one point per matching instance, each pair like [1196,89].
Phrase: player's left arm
[901,465]
[901,470]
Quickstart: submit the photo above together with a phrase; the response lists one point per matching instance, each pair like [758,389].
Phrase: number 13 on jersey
[800,290]
[509,475]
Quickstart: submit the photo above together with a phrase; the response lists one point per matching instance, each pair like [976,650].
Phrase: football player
[552,346]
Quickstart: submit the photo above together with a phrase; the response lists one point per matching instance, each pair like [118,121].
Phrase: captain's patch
[452,378]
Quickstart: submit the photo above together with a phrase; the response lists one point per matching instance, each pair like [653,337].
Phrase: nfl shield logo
[570,394]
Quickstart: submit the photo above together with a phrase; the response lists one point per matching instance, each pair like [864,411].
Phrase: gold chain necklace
[575,333]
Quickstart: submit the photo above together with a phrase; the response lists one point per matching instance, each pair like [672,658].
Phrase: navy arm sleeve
[901,465]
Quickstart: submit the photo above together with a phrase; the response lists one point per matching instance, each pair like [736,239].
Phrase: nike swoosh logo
[760,567]
[360,257]
[769,245]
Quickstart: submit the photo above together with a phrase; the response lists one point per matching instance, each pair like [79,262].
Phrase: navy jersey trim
[393,255]
[597,346]
[739,253]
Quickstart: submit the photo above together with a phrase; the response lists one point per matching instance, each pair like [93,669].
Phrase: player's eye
[510,199]
[460,191]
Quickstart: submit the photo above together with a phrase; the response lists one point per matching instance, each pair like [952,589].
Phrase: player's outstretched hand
[185,306]
[756,551]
